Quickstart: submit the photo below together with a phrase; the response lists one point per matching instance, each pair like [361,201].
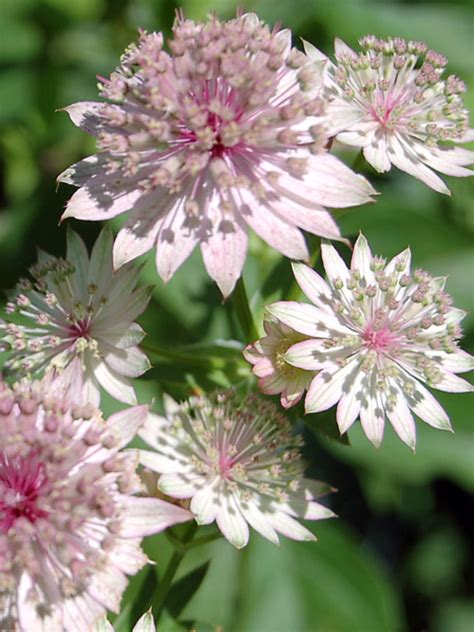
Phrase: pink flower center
[22,479]
[207,94]
[225,465]
[80,329]
[378,340]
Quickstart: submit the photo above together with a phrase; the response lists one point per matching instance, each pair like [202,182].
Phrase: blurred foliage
[397,559]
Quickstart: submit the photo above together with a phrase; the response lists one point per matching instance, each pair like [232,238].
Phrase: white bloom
[238,462]
[392,101]
[79,308]
[204,136]
[376,332]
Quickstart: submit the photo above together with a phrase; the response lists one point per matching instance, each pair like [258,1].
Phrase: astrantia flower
[224,131]
[78,308]
[238,461]
[268,358]
[392,101]
[376,332]
[70,526]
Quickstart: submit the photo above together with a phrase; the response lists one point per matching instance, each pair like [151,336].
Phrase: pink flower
[268,358]
[392,101]
[375,333]
[238,461]
[223,132]
[70,525]
[78,308]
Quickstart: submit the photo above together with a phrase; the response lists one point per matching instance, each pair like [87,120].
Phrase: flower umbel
[78,308]
[275,374]
[392,100]
[224,131]
[70,525]
[239,463]
[375,333]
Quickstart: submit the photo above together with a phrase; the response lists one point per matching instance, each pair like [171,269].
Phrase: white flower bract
[78,307]
[393,102]
[239,463]
[376,332]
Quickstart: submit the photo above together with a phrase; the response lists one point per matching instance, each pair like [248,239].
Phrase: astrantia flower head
[275,374]
[376,332]
[70,526]
[239,463]
[78,308]
[224,131]
[392,100]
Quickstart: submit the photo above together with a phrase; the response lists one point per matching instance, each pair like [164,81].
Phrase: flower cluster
[70,523]
[224,131]
[238,460]
[225,128]
[392,100]
[78,308]
[374,334]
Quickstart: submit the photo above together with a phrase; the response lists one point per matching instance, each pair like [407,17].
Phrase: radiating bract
[70,524]
[223,132]
[375,333]
[78,308]
[239,463]
[392,100]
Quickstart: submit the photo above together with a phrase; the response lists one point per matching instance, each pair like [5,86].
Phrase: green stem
[164,583]
[241,306]
[359,161]
[184,358]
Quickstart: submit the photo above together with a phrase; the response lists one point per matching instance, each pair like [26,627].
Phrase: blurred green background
[399,556]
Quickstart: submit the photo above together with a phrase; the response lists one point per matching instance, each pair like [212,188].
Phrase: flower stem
[164,584]
[182,357]
[359,161]
[241,306]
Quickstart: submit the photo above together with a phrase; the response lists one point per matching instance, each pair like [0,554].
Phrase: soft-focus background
[399,556]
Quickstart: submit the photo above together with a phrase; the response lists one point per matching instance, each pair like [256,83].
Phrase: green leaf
[183,590]
[329,585]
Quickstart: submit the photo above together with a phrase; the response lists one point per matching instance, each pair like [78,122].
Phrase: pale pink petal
[401,419]
[175,241]
[403,157]
[98,203]
[231,522]
[206,503]
[372,415]
[126,423]
[127,362]
[279,234]
[350,403]
[145,623]
[288,526]
[86,115]
[116,385]
[225,249]
[312,285]
[180,485]
[376,153]
[328,386]
[259,521]
[146,516]
[307,319]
